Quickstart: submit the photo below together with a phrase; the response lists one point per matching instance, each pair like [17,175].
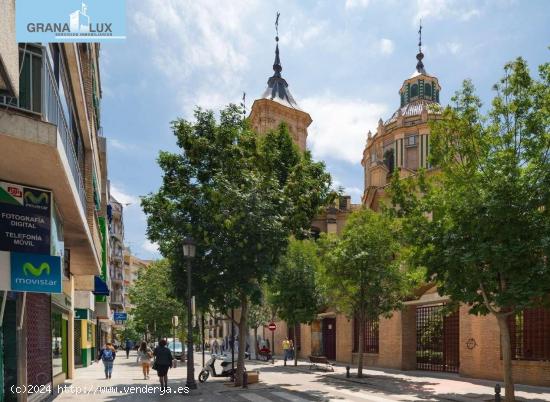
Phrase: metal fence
[437,339]
[530,334]
[371,336]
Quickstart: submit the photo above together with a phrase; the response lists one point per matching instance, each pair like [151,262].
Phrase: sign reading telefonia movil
[70,20]
[25,218]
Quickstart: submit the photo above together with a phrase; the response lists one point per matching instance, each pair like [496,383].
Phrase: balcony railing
[117,298]
[42,98]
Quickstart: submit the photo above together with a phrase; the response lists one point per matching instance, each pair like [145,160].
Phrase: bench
[317,360]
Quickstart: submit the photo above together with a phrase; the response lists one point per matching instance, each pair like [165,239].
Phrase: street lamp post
[189,253]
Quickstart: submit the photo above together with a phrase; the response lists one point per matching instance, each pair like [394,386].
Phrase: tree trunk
[256,348]
[243,326]
[295,345]
[506,348]
[360,341]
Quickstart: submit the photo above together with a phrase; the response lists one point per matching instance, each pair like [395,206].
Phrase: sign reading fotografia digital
[25,219]
[70,20]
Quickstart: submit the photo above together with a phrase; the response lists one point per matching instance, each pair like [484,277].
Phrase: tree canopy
[240,196]
[362,272]
[294,292]
[481,225]
[154,301]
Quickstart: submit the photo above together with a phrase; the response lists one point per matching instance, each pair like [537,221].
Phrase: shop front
[84,337]
[60,338]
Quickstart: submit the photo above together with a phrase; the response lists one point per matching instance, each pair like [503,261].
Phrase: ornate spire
[420,55]
[277,67]
[277,87]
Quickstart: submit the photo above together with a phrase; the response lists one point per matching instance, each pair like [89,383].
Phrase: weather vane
[243,104]
[420,37]
[277,26]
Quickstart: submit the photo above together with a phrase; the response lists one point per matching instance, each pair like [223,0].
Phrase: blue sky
[344,61]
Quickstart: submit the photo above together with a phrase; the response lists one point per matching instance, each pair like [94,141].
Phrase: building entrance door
[329,338]
[437,342]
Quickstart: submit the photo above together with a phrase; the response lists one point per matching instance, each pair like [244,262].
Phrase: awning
[100,287]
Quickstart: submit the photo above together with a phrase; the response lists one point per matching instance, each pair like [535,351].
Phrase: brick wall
[483,360]
[344,338]
[39,335]
[305,346]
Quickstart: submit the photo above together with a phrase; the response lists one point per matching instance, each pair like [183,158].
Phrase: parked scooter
[210,368]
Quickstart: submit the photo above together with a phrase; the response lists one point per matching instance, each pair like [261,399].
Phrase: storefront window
[57,343]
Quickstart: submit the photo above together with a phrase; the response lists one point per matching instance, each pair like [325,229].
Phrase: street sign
[120,316]
[175,321]
[272,326]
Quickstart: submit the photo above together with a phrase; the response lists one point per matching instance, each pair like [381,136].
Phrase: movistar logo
[29,196]
[29,268]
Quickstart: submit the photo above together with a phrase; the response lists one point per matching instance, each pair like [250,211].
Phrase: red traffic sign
[272,326]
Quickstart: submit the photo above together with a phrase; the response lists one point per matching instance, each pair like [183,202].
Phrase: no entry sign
[272,326]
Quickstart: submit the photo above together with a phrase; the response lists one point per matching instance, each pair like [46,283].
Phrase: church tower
[277,105]
[402,142]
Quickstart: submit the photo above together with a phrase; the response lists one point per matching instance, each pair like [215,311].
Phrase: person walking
[144,357]
[128,346]
[163,362]
[286,349]
[107,356]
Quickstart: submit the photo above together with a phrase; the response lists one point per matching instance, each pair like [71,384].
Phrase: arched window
[414,90]
[402,99]
[389,159]
[428,90]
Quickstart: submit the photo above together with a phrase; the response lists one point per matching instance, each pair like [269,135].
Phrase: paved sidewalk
[282,384]
[413,385]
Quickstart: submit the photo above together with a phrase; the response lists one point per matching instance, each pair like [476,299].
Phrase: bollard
[245,380]
[347,371]
[497,393]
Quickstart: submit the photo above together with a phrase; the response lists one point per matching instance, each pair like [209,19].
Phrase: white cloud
[340,125]
[123,197]
[386,46]
[122,146]
[441,9]
[197,42]
[356,3]
[296,36]
[150,247]
[449,47]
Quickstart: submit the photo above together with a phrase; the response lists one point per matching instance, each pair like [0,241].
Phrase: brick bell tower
[277,105]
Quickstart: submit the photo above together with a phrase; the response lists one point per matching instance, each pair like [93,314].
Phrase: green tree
[482,225]
[154,301]
[239,196]
[362,273]
[129,331]
[259,315]
[294,291]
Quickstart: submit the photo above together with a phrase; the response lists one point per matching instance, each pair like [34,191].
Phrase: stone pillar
[408,338]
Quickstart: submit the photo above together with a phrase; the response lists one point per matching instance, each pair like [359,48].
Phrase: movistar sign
[35,273]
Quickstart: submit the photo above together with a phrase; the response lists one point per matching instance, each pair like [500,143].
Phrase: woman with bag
[107,356]
[163,361]
[144,357]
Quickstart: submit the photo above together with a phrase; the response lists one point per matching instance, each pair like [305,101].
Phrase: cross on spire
[420,55]
[420,37]
[277,26]
[243,104]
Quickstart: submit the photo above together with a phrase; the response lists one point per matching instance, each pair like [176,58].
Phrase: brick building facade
[422,335]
